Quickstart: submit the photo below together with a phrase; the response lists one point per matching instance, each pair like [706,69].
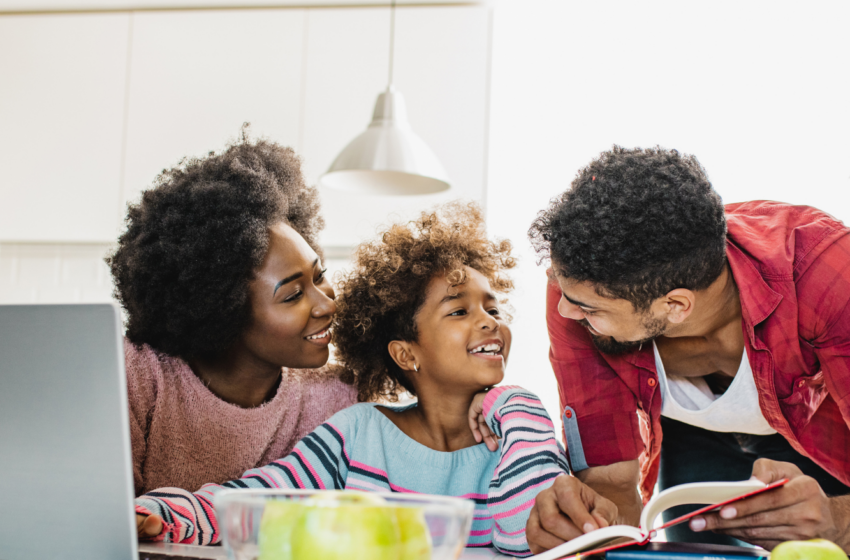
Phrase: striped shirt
[359,448]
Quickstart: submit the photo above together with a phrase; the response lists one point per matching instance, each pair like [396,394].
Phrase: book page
[695,493]
[593,540]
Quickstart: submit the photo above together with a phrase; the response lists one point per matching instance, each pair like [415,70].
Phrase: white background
[757,90]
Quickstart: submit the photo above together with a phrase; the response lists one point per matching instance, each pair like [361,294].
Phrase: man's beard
[610,345]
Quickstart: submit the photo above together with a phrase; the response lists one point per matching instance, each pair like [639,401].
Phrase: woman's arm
[530,461]
[319,461]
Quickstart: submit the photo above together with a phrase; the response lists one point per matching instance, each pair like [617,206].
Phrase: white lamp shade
[388,158]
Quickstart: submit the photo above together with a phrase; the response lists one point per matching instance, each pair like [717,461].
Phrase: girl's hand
[148,526]
[478,424]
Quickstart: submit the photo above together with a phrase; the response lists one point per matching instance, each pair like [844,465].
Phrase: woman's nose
[325,306]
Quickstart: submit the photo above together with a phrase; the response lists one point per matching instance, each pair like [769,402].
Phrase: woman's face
[291,304]
[463,340]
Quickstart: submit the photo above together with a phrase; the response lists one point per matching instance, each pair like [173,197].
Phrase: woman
[220,275]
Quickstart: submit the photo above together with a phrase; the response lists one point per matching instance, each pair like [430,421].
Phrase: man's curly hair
[193,243]
[377,301]
[637,224]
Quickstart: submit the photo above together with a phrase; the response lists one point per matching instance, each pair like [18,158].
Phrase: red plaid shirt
[792,268]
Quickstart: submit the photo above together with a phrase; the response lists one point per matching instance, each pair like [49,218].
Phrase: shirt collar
[758,301]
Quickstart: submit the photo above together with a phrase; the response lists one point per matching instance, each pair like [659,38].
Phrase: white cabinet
[94,106]
[62,84]
[197,76]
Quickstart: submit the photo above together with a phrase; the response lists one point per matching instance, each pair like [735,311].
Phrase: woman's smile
[321,338]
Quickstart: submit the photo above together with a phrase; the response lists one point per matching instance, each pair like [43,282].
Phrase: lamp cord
[392,39]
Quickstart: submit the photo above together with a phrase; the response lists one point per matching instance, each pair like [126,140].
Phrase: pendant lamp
[388,158]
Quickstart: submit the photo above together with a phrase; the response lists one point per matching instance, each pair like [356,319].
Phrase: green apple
[279,517]
[414,533]
[346,525]
[815,549]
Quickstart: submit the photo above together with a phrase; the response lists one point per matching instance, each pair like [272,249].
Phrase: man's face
[613,324]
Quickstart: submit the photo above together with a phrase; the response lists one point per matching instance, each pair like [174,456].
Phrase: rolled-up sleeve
[595,402]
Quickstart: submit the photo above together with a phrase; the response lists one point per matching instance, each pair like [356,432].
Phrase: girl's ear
[402,353]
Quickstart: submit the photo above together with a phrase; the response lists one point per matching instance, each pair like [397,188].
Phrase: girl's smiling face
[463,339]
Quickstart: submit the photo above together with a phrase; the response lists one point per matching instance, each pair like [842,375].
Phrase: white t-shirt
[690,400]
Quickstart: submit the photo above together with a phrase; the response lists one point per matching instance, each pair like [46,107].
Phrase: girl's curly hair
[378,300]
[193,242]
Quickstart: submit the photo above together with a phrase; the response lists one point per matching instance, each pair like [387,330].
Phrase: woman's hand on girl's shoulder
[478,424]
[148,526]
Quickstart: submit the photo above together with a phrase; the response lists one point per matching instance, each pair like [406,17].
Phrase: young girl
[212,329]
[419,313]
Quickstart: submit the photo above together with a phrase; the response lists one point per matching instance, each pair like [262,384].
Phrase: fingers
[566,510]
[474,424]
[489,436]
[769,471]
[476,420]
[604,511]
[575,501]
[148,525]
[755,510]
[539,539]
[799,510]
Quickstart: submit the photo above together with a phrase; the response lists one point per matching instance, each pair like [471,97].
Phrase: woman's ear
[402,353]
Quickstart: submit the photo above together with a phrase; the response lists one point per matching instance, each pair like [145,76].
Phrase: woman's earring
[416,368]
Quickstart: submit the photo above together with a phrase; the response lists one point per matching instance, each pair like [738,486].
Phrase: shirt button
[651,382]
[568,413]
[801,383]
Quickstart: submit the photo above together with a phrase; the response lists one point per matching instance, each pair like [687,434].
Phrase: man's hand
[799,510]
[148,526]
[478,424]
[564,511]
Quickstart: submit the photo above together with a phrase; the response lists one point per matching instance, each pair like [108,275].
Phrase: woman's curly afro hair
[637,224]
[378,300]
[192,244]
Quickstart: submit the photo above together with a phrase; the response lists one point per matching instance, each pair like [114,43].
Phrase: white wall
[94,105]
[757,90]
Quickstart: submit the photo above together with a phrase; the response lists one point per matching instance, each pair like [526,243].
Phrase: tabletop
[163,551]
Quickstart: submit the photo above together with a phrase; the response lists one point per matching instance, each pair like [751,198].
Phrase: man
[694,342]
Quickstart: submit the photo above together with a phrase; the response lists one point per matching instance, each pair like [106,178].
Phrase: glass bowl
[244,531]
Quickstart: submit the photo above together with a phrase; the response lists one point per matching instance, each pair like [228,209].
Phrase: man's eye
[293,297]
[588,313]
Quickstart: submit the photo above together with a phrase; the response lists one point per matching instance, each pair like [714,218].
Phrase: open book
[718,494]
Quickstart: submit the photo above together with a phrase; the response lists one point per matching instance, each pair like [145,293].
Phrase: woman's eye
[321,277]
[293,297]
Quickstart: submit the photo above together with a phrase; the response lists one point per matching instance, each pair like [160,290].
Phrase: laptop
[66,482]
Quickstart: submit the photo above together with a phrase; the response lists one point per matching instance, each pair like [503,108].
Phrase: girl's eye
[457,313]
[293,297]
[494,312]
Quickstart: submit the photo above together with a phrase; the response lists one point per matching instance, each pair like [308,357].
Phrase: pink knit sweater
[184,436]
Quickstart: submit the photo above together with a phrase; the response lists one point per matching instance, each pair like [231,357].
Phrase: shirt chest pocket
[807,393]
